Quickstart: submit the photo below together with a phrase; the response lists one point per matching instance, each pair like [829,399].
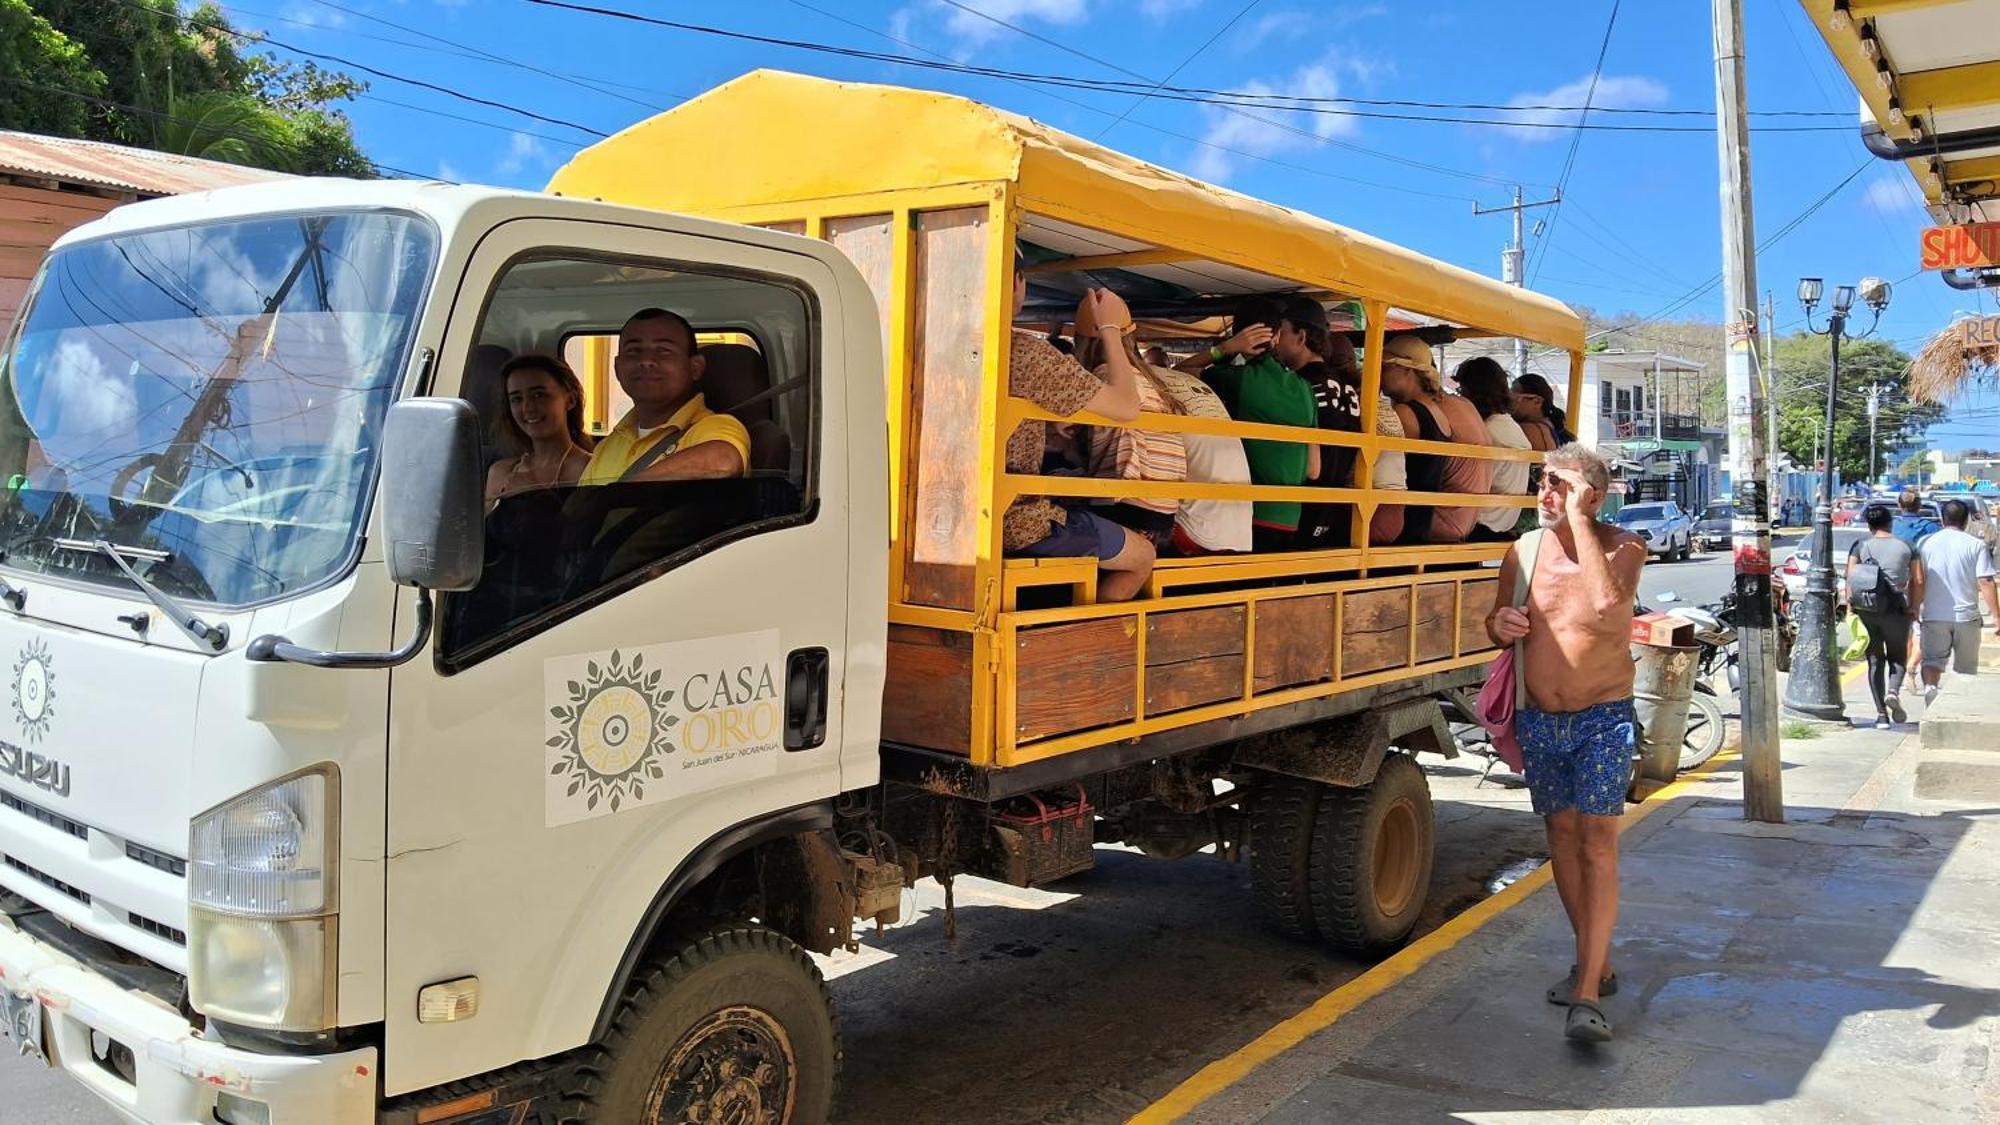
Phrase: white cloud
[1613,92]
[1284,21]
[1891,194]
[314,15]
[523,153]
[449,172]
[973,28]
[1268,132]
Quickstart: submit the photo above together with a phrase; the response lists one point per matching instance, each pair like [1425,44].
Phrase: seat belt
[667,443]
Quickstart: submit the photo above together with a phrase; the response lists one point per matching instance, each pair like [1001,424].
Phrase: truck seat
[735,376]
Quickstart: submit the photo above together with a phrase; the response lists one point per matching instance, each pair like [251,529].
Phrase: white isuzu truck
[334,790]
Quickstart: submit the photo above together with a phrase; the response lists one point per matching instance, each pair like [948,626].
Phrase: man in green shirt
[1257,388]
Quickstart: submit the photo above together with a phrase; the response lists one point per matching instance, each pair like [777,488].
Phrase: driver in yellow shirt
[670,433]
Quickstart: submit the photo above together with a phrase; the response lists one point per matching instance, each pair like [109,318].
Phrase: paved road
[1707,576]
[1077,1004]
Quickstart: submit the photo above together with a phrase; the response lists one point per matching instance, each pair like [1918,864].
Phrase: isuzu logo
[38,770]
[34,691]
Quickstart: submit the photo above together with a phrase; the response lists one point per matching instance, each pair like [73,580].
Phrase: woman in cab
[543,423]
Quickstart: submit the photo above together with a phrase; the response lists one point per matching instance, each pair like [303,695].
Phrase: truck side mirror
[433,500]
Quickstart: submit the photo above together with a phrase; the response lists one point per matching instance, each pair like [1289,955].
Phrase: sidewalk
[1844,966]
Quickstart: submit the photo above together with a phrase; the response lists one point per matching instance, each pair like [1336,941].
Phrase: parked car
[1982,520]
[1664,525]
[1847,510]
[1712,530]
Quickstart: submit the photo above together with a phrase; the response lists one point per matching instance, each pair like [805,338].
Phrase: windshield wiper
[200,632]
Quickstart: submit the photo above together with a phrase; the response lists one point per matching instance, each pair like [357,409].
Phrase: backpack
[1869,589]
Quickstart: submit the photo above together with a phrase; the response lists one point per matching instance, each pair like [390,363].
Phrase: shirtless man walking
[1577,729]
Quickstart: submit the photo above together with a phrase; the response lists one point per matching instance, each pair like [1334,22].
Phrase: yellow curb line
[1233,1068]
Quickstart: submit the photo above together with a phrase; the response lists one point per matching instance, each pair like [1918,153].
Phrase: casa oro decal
[615,732]
[34,691]
[628,728]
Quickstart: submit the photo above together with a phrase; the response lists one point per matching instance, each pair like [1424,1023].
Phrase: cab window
[574,436]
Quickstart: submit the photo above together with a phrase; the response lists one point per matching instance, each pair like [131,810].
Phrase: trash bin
[1662,685]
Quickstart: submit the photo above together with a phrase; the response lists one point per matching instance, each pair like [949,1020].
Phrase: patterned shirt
[1058,384]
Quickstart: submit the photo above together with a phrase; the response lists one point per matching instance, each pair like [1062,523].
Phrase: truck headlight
[263,899]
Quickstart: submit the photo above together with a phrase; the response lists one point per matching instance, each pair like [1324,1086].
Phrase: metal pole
[1769,386]
[1813,688]
[1512,269]
[1874,407]
[1750,528]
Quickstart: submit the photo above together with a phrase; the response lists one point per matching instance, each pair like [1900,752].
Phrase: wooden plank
[868,241]
[1194,657]
[1374,631]
[1073,677]
[1472,625]
[1434,605]
[944,390]
[1294,642]
[927,700]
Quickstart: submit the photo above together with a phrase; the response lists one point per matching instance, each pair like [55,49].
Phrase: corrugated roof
[117,167]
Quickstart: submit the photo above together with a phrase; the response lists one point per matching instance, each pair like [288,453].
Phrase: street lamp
[1814,686]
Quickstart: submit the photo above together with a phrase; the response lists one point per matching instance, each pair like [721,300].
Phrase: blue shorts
[1578,760]
[1083,535]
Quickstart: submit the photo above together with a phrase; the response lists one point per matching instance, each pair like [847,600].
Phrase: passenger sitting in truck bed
[1326,362]
[1483,382]
[670,433]
[1257,387]
[1208,527]
[1131,454]
[1036,526]
[1410,376]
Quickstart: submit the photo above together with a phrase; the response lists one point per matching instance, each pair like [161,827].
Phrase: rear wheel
[1372,851]
[1281,831]
[731,1025]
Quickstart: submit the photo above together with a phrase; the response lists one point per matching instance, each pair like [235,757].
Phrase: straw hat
[1412,353]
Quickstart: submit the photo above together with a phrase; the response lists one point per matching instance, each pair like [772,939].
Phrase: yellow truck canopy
[771,138]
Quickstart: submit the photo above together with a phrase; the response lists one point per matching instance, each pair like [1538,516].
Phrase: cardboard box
[1662,629]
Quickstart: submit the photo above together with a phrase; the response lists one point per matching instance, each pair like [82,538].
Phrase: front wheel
[731,1024]
[1704,730]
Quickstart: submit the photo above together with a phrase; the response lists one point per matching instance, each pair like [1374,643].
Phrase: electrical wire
[1575,142]
[201,24]
[1214,97]
[125,107]
[1175,72]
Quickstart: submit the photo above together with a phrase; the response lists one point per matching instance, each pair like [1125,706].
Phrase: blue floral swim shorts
[1578,760]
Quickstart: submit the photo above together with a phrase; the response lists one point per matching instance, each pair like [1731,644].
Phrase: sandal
[1561,991]
[1586,1023]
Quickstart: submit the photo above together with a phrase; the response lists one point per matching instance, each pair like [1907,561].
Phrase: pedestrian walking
[1884,585]
[1958,575]
[1576,727]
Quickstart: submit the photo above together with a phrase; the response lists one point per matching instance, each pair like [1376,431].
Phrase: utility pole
[1763,781]
[1874,408]
[1511,267]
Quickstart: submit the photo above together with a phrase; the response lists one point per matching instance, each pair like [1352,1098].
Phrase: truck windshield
[208,399]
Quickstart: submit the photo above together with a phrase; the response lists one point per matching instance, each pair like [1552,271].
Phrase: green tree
[1804,360]
[1916,467]
[37,62]
[191,84]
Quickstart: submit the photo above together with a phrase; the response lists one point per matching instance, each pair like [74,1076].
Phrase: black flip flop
[1561,991]
[1586,1023]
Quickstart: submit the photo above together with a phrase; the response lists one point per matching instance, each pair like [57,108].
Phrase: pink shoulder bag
[1504,693]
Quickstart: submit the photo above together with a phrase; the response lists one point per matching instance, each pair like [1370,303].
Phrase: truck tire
[1282,811]
[733,1023]
[1371,859]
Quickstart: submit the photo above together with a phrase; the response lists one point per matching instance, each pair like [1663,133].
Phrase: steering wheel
[114,499]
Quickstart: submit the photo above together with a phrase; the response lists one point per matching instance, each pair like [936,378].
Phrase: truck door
[643,665]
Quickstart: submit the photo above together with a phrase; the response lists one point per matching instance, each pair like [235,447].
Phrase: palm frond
[1949,361]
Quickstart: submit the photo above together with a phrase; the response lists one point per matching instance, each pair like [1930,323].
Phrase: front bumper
[177,1075]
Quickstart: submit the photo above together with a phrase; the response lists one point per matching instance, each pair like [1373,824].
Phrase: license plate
[21,1020]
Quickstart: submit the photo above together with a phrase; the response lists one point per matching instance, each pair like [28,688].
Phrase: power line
[1165,132]
[1575,142]
[224,131]
[1175,72]
[263,40]
[1167,93]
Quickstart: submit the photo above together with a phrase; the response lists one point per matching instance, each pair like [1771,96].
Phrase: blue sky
[1639,229]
